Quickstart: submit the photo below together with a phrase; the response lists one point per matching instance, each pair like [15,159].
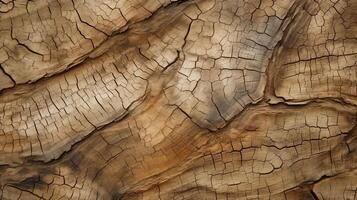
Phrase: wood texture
[180,99]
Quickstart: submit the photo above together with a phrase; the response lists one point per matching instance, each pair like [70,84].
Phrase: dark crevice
[313,194]
[319,57]
[28,48]
[173,62]
[7,74]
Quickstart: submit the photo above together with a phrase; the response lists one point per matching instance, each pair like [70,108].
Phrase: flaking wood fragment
[180,99]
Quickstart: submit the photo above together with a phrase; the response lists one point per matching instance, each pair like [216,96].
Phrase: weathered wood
[184,99]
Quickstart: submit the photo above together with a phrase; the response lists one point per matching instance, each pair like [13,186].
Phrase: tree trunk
[180,99]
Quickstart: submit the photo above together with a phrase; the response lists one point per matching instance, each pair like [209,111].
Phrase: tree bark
[178,99]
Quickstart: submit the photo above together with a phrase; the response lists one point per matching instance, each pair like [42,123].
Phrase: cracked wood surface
[180,99]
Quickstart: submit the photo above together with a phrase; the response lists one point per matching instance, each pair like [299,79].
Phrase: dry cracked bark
[180,99]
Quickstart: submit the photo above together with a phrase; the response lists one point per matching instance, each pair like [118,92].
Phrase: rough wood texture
[180,99]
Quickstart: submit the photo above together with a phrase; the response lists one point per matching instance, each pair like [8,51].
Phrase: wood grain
[180,99]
